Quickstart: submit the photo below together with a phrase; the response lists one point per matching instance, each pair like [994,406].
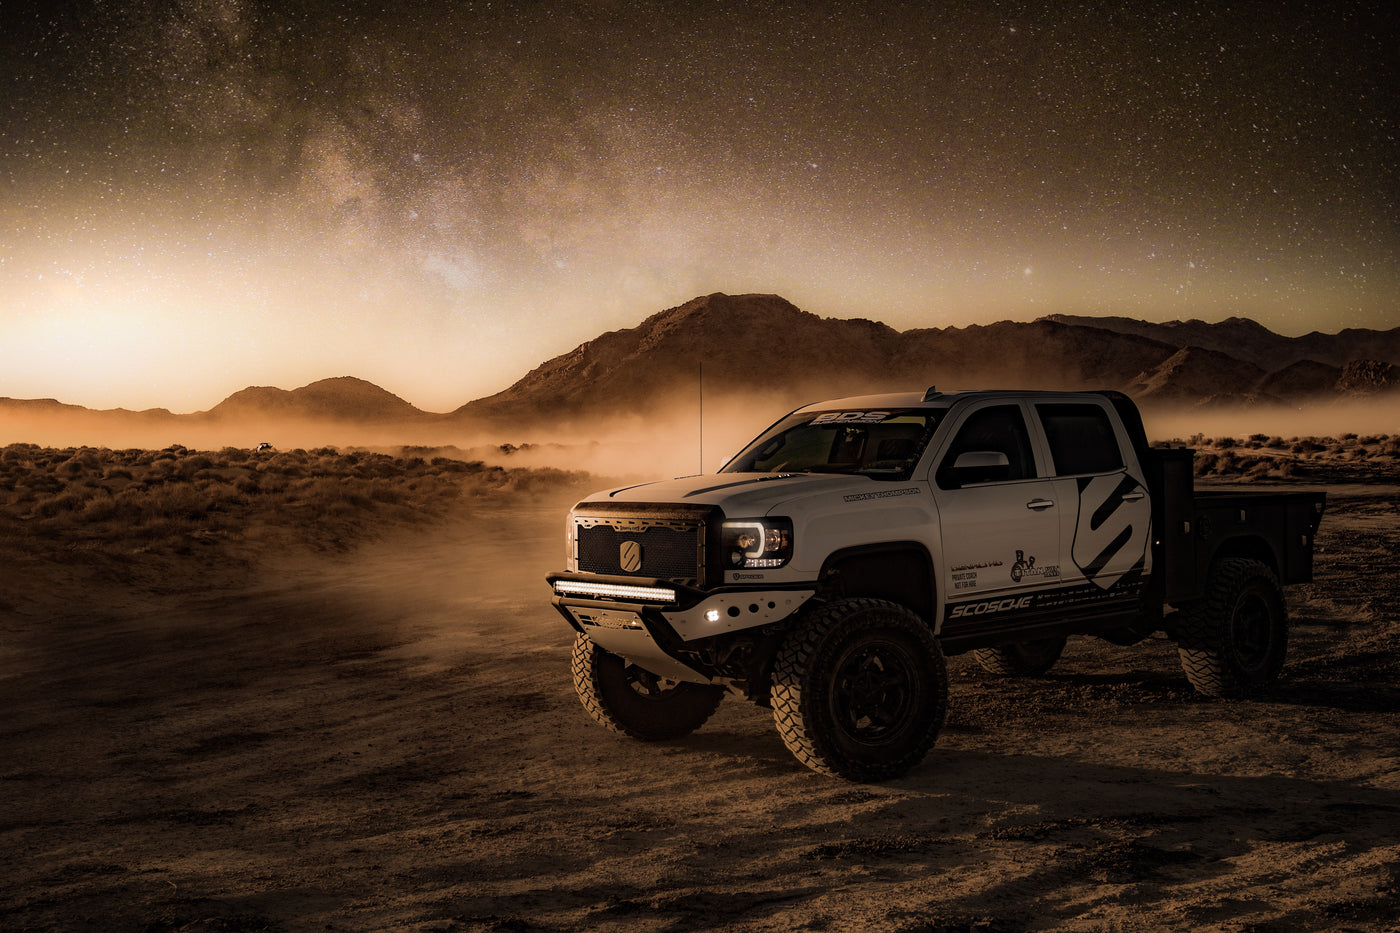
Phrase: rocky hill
[343,398]
[1247,340]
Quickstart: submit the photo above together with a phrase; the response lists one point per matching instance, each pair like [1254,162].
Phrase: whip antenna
[702,416]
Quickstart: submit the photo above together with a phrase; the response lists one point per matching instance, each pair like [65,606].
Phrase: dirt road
[388,739]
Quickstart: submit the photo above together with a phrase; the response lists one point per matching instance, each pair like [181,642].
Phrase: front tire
[1234,640]
[1021,658]
[635,702]
[860,690]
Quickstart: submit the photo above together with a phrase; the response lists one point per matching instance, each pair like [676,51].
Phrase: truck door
[999,520]
[1107,521]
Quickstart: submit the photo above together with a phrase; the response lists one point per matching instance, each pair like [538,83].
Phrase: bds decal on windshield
[851,417]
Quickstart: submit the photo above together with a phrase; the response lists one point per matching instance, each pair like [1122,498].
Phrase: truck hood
[748,493]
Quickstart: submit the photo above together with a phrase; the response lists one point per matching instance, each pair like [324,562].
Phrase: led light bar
[617,591]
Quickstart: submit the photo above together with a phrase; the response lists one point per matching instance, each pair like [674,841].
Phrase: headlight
[763,542]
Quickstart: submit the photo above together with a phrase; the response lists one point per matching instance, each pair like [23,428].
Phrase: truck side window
[1081,439]
[998,429]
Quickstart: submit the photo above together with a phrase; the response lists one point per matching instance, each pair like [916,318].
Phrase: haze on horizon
[210,194]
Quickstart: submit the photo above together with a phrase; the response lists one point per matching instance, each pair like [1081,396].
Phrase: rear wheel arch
[1245,547]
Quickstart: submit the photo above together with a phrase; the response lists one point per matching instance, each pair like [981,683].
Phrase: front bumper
[649,621]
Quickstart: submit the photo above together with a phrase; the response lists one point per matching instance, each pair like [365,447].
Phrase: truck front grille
[664,545]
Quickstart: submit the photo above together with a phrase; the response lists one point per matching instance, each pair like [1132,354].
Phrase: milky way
[202,195]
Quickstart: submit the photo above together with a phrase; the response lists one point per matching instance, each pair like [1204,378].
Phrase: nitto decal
[1025,567]
[1110,536]
[851,417]
[884,494]
[992,606]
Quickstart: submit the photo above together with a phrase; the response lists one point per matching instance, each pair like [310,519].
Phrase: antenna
[702,416]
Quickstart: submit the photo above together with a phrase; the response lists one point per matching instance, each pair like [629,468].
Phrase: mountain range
[764,346]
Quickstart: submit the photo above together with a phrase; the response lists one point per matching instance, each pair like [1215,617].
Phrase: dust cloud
[672,438]
[1331,420]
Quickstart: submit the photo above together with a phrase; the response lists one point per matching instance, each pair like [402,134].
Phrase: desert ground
[325,690]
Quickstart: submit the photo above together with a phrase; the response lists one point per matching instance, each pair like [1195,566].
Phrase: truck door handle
[1037,505]
[1133,496]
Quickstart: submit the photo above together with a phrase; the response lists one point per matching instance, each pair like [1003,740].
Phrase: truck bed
[1199,526]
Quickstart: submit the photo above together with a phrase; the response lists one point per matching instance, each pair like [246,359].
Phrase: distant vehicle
[827,569]
[264,446]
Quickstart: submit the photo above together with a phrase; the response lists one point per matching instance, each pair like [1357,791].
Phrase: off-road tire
[634,702]
[1234,639]
[1021,658]
[860,689]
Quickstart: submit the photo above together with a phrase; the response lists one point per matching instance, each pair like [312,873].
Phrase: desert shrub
[170,501]
[1224,442]
[78,464]
[285,464]
[1305,445]
[448,465]
[65,501]
[100,508]
[193,466]
[118,472]
[384,492]
[45,482]
[1276,443]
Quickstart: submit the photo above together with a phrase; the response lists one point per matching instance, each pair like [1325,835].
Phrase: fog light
[712,615]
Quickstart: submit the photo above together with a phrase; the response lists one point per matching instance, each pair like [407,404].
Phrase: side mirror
[975,466]
[980,460]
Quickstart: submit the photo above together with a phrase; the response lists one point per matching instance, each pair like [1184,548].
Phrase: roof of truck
[932,398]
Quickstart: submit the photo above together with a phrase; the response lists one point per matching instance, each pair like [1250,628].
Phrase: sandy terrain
[364,721]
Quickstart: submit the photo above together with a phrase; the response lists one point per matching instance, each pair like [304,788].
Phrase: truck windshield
[884,444]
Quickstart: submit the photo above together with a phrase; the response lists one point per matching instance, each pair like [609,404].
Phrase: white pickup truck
[829,567]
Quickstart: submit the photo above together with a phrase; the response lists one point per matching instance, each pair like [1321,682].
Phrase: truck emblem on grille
[630,556]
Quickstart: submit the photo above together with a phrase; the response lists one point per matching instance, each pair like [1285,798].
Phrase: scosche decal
[851,417]
[883,494]
[1025,567]
[1111,533]
[1085,594]
[749,576]
[992,606]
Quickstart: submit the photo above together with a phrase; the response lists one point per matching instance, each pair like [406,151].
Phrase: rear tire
[635,702]
[1234,640]
[1021,658]
[860,689]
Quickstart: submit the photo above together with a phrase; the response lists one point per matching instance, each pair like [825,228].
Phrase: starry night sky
[197,196]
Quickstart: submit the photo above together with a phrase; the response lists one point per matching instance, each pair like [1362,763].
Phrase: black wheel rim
[1252,631]
[873,690]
